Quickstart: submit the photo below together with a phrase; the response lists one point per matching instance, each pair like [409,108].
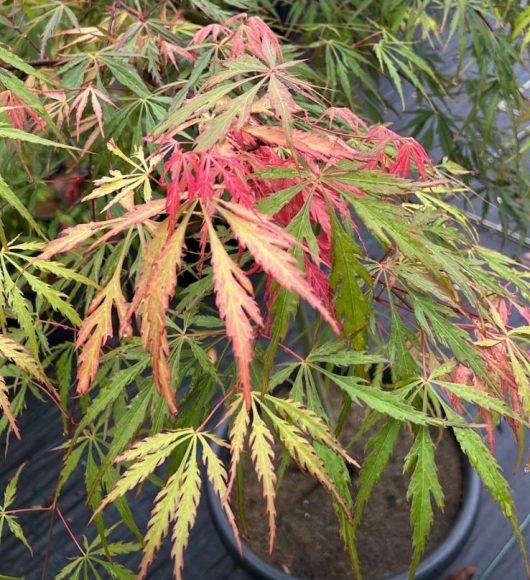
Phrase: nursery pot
[430,568]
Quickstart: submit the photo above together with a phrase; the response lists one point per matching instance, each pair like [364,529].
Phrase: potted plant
[241,235]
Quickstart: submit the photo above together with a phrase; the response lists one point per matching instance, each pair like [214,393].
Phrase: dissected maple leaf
[408,152]
[80,102]
[261,443]
[236,305]
[124,186]
[12,350]
[270,247]
[6,408]
[155,290]
[139,214]
[198,173]
[317,145]
[96,329]
[19,112]
[71,238]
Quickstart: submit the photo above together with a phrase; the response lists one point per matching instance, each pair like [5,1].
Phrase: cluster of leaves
[228,199]
[457,68]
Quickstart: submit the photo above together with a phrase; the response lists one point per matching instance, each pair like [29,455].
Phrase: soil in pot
[308,545]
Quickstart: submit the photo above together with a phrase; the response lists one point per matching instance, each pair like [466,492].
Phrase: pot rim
[435,563]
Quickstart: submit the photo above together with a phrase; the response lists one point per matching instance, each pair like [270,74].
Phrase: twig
[41,62]
[70,533]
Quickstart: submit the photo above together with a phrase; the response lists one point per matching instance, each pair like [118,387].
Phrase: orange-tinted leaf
[6,408]
[96,329]
[70,239]
[316,144]
[15,352]
[157,293]
[137,215]
[236,305]
[149,255]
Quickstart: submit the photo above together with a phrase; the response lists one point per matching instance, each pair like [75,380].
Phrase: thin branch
[41,62]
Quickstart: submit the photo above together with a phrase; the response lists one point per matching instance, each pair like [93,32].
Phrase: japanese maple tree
[230,205]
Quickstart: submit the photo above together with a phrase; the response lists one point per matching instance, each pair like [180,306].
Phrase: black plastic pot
[429,569]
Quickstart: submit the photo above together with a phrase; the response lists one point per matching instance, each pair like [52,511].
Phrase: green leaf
[262,452]
[381,448]
[220,124]
[110,392]
[386,61]
[126,427]
[176,502]
[11,488]
[286,304]
[118,571]
[127,76]
[186,111]
[118,548]
[12,350]
[61,270]
[309,423]
[211,10]
[11,521]
[480,398]
[178,499]
[8,132]
[7,194]
[21,65]
[384,402]
[337,353]
[53,297]
[371,182]
[200,65]
[21,310]
[435,320]
[522,22]
[350,301]
[279,97]
[52,23]
[145,455]
[67,573]
[402,362]
[18,532]
[423,486]
[274,203]
[19,89]
[338,472]
[73,72]
[391,222]
[279,173]
[71,462]
[303,452]
[489,471]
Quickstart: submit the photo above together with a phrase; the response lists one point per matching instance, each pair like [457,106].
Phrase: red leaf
[270,247]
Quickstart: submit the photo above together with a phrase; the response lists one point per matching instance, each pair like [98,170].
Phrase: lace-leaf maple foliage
[230,205]
[451,73]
